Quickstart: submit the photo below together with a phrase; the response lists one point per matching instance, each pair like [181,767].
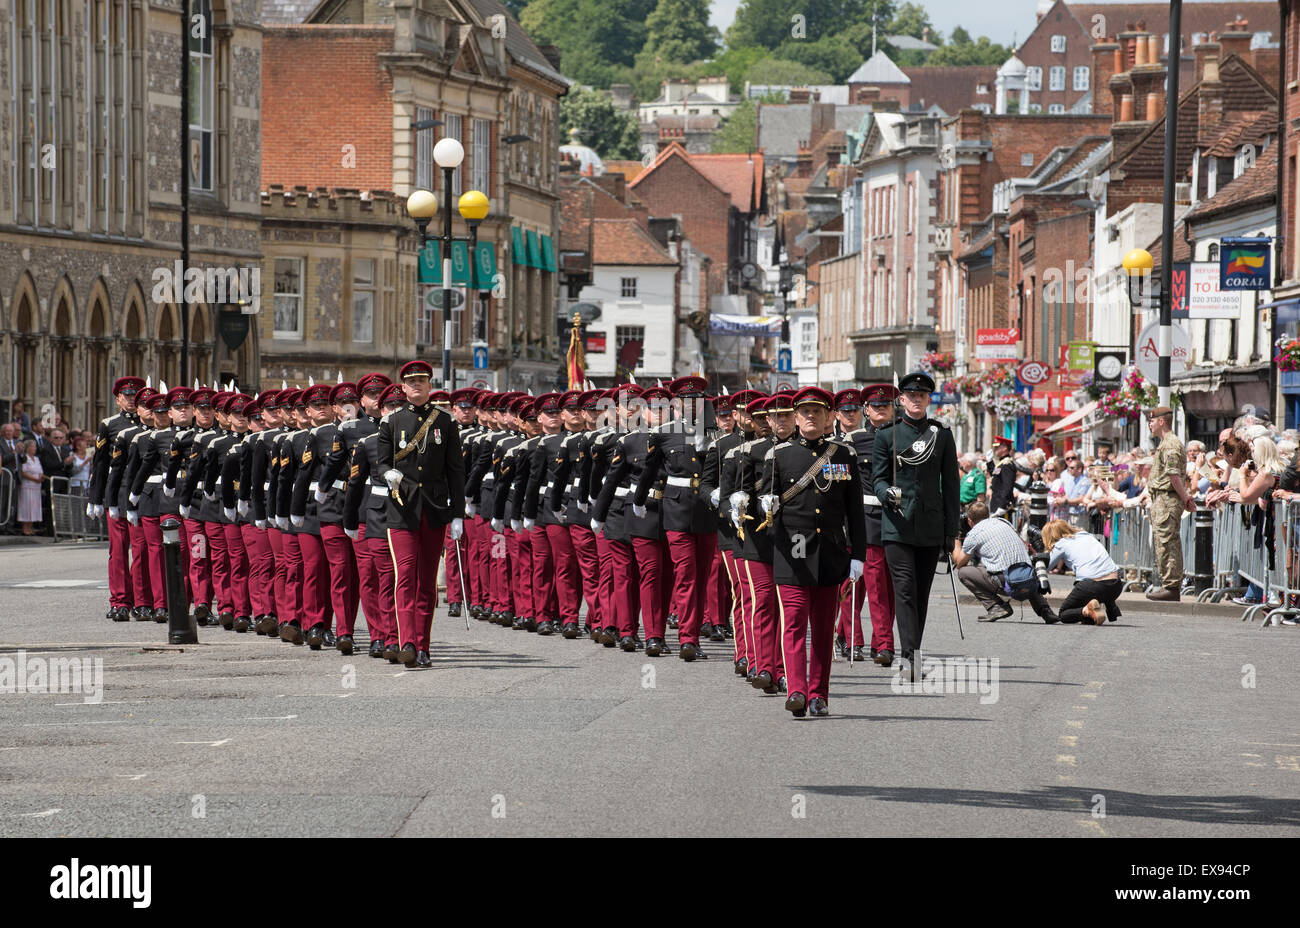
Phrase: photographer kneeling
[1003,561]
[1097,583]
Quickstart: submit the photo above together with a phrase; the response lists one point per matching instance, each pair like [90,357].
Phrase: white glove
[210,497]
[591,500]
[393,477]
[471,510]
[90,511]
[516,525]
[457,529]
[714,497]
[529,524]
[185,512]
[321,498]
[736,517]
[133,517]
[169,492]
[282,523]
[352,533]
[739,500]
[855,570]
[259,524]
[583,507]
[498,525]
[638,511]
[242,507]
[298,521]
[113,513]
[769,502]
[597,527]
[229,514]
[133,499]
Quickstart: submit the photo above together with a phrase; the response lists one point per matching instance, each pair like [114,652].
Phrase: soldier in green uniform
[1169,497]
[914,466]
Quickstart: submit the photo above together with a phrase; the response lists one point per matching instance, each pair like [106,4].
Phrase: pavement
[1162,724]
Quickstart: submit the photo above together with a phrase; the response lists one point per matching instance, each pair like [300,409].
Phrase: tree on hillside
[613,134]
[833,54]
[779,71]
[735,64]
[740,132]
[679,30]
[770,23]
[596,38]
[960,50]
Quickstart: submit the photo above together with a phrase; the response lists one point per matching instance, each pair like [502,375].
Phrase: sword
[956,604]
[464,594]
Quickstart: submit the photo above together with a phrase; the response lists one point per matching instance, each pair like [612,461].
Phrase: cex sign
[997,344]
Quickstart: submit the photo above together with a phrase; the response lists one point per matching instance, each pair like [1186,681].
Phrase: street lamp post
[1165,338]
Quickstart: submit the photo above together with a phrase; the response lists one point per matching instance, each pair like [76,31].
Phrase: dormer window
[1058,43]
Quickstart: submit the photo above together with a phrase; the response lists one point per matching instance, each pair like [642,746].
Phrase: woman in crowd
[29,497]
[1097,583]
[1232,454]
[79,468]
[1052,472]
[1254,490]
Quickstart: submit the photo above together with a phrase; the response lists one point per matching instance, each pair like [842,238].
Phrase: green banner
[485,266]
[518,252]
[431,263]
[534,252]
[548,254]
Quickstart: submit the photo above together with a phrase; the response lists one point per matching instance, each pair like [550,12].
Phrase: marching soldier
[1003,484]
[567,572]
[288,448]
[305,448]
[142,508]
[124,451]
[364,513]
[546,604]
[120,601]
[288,556]
[457,554]
[222,468]
[180,460]
[815,498]
[175,413]
[195,502]
[718,602]
[876,586]
[512,468]
[848,430]
[419,450]
[914,466]
[675,461]
[719,482]
[567,497]
[251,505]
[610,514]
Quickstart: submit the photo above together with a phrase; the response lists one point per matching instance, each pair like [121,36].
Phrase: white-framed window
[1033,78]
[627,288]
[201,96]
[1082,75]
[453,127]
[423,318]
[289,288]
[363,300]
[983,107]
[1058,43]
[1056,78]
[1035,107]
[1056,108]
[424,173]
[630,333]
[808,341]
[982,90]
[482,163]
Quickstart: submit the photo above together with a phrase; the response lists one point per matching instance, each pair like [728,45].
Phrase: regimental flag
[576,360]
[1244,263]
[628,358]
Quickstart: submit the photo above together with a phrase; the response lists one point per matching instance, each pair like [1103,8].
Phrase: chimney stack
[1126,107]
[1203,54]
[1235,39]
[1105,58]
[1155,105]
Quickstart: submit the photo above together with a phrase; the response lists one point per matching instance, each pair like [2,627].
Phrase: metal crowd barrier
[7,480]
[68,514]
[1238,558]
[1131,547]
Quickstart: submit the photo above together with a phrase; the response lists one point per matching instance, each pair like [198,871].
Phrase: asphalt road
[1161,724]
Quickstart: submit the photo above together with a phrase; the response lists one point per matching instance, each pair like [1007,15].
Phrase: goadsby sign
[1244,263]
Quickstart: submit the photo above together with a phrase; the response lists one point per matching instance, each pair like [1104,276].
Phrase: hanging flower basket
[1287,357]
[1009,406]
[937,362]
[1128,401]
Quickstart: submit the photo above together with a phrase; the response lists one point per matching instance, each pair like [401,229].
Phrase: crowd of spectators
[39,456]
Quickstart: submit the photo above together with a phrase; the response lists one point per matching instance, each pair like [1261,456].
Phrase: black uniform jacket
[821,528]
[931,489]
[433,471]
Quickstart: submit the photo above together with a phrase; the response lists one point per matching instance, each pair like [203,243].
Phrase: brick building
[90,201]
[351,281]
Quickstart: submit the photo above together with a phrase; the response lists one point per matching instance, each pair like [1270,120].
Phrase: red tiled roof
[952,88]
[629,169]
[740,176]
[1240,129]
[1196,17]
[1257,184]
[623,241]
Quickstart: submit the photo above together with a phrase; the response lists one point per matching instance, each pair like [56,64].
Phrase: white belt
[550,484]
[338,485]
[266,487]
[622,491]
[155,478]
[681,481]
[489,478]
[218,483]
[870,500]
[378,491]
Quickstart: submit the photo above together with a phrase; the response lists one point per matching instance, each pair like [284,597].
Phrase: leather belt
[870,500]
[692,482]
[155,478]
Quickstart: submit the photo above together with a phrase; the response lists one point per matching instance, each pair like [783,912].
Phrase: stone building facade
[90,195]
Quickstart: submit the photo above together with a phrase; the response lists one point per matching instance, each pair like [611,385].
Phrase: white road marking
[52,584]
[268,718]
[132,776]
[215,744]
[46,814]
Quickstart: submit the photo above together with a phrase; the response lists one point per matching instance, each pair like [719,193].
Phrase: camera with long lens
[1039,558]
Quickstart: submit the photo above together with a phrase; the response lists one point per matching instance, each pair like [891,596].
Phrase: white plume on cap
[339,378]
[148,381]
[196,383]
[311,381]
[284,385]
[162,386]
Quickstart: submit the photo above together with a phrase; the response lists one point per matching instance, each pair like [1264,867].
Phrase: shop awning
[534,250]
[1287,310]
[1073,422]
[548,254]
[518,251]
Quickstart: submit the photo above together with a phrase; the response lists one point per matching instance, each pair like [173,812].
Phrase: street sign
[476,380]
[784,360]
[233,328]
[1179,281]
[480,356]
[1079,357]
[997,344]
[940,398]
[1147,353]
[433,298]
[1108,369]
[1033,373]
[1205,299]
[784,382]
[1244,263]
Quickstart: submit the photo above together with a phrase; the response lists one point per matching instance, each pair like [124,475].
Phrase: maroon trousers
[344,592]
[453,571]
[200,563]
[219,557]
[587,551]
[276,540]
[764,629]
[157,566]
[291,607]
[692,557]
[717,607]
[501,554]
[375,573]
[261,570]
[238,559]
[521,559]
[415,579]
[849,621]
[739,596]
[624,570]
[880,597]
[605,585]
[808,669]
[141,591]
[120,592]
[480,555]
[652,562]
[568,582]
[545,607]
[315,609]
